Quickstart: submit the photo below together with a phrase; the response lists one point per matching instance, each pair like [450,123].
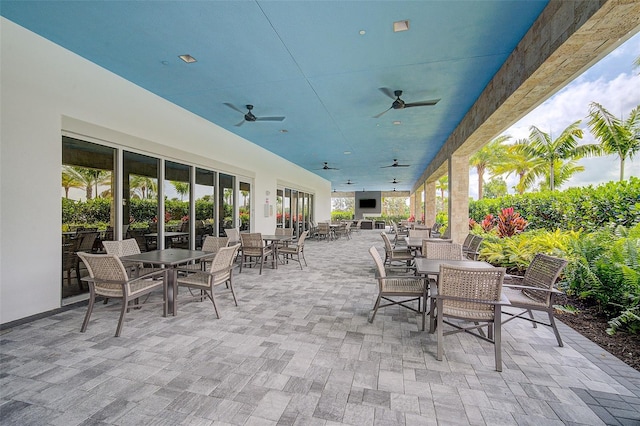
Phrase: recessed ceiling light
[187,58]
[397,122]
[362,32]
[284,131]
[401,26]
[347,152]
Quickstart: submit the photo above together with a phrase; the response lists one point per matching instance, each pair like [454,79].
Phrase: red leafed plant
[488,223]
[510,223]
[472,223]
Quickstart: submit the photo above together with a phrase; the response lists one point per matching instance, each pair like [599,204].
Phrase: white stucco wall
[46,90]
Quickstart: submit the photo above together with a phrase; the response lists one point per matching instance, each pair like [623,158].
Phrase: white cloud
[612,83]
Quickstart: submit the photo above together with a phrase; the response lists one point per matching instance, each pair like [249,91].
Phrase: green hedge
[588,208]
[98,210]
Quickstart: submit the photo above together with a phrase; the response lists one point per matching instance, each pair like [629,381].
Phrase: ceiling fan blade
[387,92]
[240,123]
[380,115]
[235,108]
[270,118]
[385,167]
[401,165]
[423,103]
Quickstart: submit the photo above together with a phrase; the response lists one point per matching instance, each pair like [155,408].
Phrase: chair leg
[440,333]
[305,260]
[375,308]
[552,322]
[125,308]
[92,298]
[215,307]
[532,319]
[497,337]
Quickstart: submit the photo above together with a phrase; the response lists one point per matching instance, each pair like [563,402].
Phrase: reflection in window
[140,198]
[205,204]
[279,209]
[226,203]
[287,208]
[176,205]
[87,207]
[245,206]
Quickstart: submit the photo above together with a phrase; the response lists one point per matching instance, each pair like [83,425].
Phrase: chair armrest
[527,287]
[502,302]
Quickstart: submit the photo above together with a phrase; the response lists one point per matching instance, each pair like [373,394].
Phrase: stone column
[430,203]
[459,197]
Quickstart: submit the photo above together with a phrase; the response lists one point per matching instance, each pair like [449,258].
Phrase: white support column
[459,197]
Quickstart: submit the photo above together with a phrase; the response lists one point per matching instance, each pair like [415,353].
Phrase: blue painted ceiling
[306,61]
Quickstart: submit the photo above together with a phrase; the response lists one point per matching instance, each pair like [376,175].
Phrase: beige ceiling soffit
[567,38]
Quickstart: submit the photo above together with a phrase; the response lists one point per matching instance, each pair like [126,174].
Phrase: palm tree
[516,161]
[442,184]
[142,187]
[562,172]
[616,136]
[546,152]
[489,154]
[70,180]
[87,178]
[182,188]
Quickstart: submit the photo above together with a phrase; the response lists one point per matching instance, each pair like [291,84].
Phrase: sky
[612,82]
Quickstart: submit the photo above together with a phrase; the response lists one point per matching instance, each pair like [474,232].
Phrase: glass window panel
[88,213]
[226,203]
[280,208]
[287,208]
[140,197]
[176,205]
[205,204]
[245,206]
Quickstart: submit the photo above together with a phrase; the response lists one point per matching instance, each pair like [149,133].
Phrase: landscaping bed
[592,325]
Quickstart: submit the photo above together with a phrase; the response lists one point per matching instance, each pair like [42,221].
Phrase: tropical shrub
[515,253]
[604,268]
[588,208]
[510,223]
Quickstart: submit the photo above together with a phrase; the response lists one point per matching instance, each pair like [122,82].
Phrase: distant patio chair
[297,250]
[254,249]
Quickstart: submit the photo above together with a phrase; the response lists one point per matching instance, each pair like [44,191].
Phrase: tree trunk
[621,169]
[480,181]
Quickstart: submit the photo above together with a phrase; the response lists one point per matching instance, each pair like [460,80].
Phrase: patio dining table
[169,258]
[272,238]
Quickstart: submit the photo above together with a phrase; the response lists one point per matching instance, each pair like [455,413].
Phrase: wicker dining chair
[126,248]
[407,288]
[211,245]
[109,279]
[419,233]
[233,234]
[451,251]
[254,250]
[296,250]
[392,255]
[473,296]
[473,249]
[535,291]
[220,272]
